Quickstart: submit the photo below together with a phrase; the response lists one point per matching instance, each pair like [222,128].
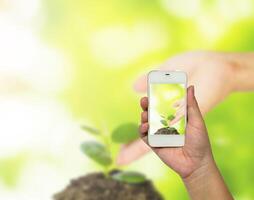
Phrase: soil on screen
[167,131]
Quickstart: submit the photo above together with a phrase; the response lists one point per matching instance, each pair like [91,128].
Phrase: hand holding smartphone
[165,125]
[167,108]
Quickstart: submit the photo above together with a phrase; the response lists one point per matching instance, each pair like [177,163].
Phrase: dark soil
[96,186]
[167,131]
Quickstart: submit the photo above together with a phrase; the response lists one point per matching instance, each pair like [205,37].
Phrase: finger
[200,94]
[144,103]
[182,64]
[143,129]
[144,117]
[141,84]
[180,111]
[177,104]
[177,118]
[132,152]
[194,115]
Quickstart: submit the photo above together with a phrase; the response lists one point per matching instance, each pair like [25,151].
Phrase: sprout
[97,152]
[166,120]
[100,152]
[129,177]
[125,133]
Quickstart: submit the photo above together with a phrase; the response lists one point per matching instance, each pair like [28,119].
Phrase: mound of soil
[167,131]
[96,186]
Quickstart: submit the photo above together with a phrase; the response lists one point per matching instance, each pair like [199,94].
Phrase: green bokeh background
[102,90]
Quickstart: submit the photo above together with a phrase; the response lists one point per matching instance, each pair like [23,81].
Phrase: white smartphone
[167,95]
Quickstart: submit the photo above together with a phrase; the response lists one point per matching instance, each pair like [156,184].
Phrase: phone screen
[167,108]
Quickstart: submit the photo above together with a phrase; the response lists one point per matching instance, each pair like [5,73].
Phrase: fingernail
[192,89]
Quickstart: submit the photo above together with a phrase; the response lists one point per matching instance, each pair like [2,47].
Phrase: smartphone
[167,108]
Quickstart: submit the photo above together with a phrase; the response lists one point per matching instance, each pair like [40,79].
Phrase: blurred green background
[106,45]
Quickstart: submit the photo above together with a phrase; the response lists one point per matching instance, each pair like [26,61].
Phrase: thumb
[194,116]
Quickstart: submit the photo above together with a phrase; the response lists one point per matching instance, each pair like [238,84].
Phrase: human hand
[180,111]
[211,73]
[196,153]
[194,161]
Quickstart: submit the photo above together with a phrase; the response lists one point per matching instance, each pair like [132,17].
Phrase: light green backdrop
[112,42]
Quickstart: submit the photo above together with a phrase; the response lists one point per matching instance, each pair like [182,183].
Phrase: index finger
[144,103]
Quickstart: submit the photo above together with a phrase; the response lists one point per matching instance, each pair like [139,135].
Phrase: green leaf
[90,130]
[129,177]
[162,116]
[125,133]
[171,117]
[97,152]
[164,122]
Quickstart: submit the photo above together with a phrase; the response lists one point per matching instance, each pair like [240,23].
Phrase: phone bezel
[161,77]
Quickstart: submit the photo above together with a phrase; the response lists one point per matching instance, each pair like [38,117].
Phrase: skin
[194,161]
[215,76]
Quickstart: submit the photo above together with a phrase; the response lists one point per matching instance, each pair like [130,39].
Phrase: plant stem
[106,141]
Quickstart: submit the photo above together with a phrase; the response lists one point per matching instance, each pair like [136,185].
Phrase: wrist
[201,173]
[242,66]
[201,180]
[207,183]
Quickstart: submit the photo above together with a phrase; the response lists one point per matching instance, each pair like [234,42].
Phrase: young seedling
[166,129]
[100,151]
[166,120]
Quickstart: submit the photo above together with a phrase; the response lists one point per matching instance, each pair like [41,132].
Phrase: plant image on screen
[167,109]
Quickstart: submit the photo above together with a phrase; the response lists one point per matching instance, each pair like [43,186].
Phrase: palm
[207,71]
[177,159]
[184,159]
